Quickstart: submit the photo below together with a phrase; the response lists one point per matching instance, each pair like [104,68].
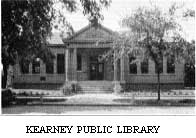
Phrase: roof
[72,38]
[55,38]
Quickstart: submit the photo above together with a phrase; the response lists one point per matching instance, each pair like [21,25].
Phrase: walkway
[108,99]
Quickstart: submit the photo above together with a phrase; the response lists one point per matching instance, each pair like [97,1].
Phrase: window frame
[22,65]
[36,69]
[79,65]
[48,65]
[61,66]
[156,71]
[174,66]
[143,65]
[132,64]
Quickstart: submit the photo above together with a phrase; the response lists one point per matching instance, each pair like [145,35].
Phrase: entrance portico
[93,66]
[85,50]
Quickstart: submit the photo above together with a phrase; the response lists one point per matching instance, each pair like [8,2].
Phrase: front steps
[94,87]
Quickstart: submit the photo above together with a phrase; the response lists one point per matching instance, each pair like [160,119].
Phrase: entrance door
[96,71]
[100,71]
[93,71]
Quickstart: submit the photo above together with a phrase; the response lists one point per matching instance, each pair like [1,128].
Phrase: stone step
[94,83]
[88,85]
[100,82]
[94,91]
[95,87]
[100,87]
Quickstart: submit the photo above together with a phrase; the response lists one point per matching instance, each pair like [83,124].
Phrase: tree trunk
[159,86]
[4,76]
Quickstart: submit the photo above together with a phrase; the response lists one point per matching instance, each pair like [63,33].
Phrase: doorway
[96,69]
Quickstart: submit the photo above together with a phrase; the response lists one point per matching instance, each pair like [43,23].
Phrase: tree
[189,13]
[153,36]
[189,78]
[26,24]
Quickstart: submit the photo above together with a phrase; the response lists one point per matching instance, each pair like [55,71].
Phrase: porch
[87,64]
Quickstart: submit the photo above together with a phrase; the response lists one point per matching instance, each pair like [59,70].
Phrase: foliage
[153,35]
[26,24]
[189,13]
[69,88]
[151,28]
[93,9]
[7,97]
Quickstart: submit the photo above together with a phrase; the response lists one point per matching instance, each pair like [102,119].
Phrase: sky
[120,8]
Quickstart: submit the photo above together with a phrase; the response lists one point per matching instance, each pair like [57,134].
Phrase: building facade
[77,59]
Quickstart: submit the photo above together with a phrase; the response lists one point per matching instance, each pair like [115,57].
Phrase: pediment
[93,33]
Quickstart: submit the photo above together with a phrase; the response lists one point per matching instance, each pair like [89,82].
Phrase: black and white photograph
[98,57]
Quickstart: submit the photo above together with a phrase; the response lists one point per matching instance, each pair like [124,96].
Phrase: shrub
[70,88]
[7,97]
[117,87]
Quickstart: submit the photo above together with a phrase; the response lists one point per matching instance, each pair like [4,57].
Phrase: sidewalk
[112,99]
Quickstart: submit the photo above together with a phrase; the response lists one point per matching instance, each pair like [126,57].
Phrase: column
[164,65]
[70,64]
[30,68]
[9,76]
[67,64]
[75,64]
[17,69]
[139,67]
[55,64]
[117,86]
[115,67]
[42,68]
[122,69]
[151,67]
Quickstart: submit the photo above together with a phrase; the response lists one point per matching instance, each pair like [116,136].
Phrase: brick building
[77,59]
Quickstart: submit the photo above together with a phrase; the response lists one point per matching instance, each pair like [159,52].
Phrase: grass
[184,102]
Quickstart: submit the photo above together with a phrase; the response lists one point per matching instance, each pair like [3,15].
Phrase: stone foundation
[44,86]
[150,86]
[124,86]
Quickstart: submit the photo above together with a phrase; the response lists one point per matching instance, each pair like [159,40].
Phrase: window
[24,66]
[50,67]
[79,62]
[60,63]
[132,66]
[160,66]
[36,66]
[144,66]
[171,65]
